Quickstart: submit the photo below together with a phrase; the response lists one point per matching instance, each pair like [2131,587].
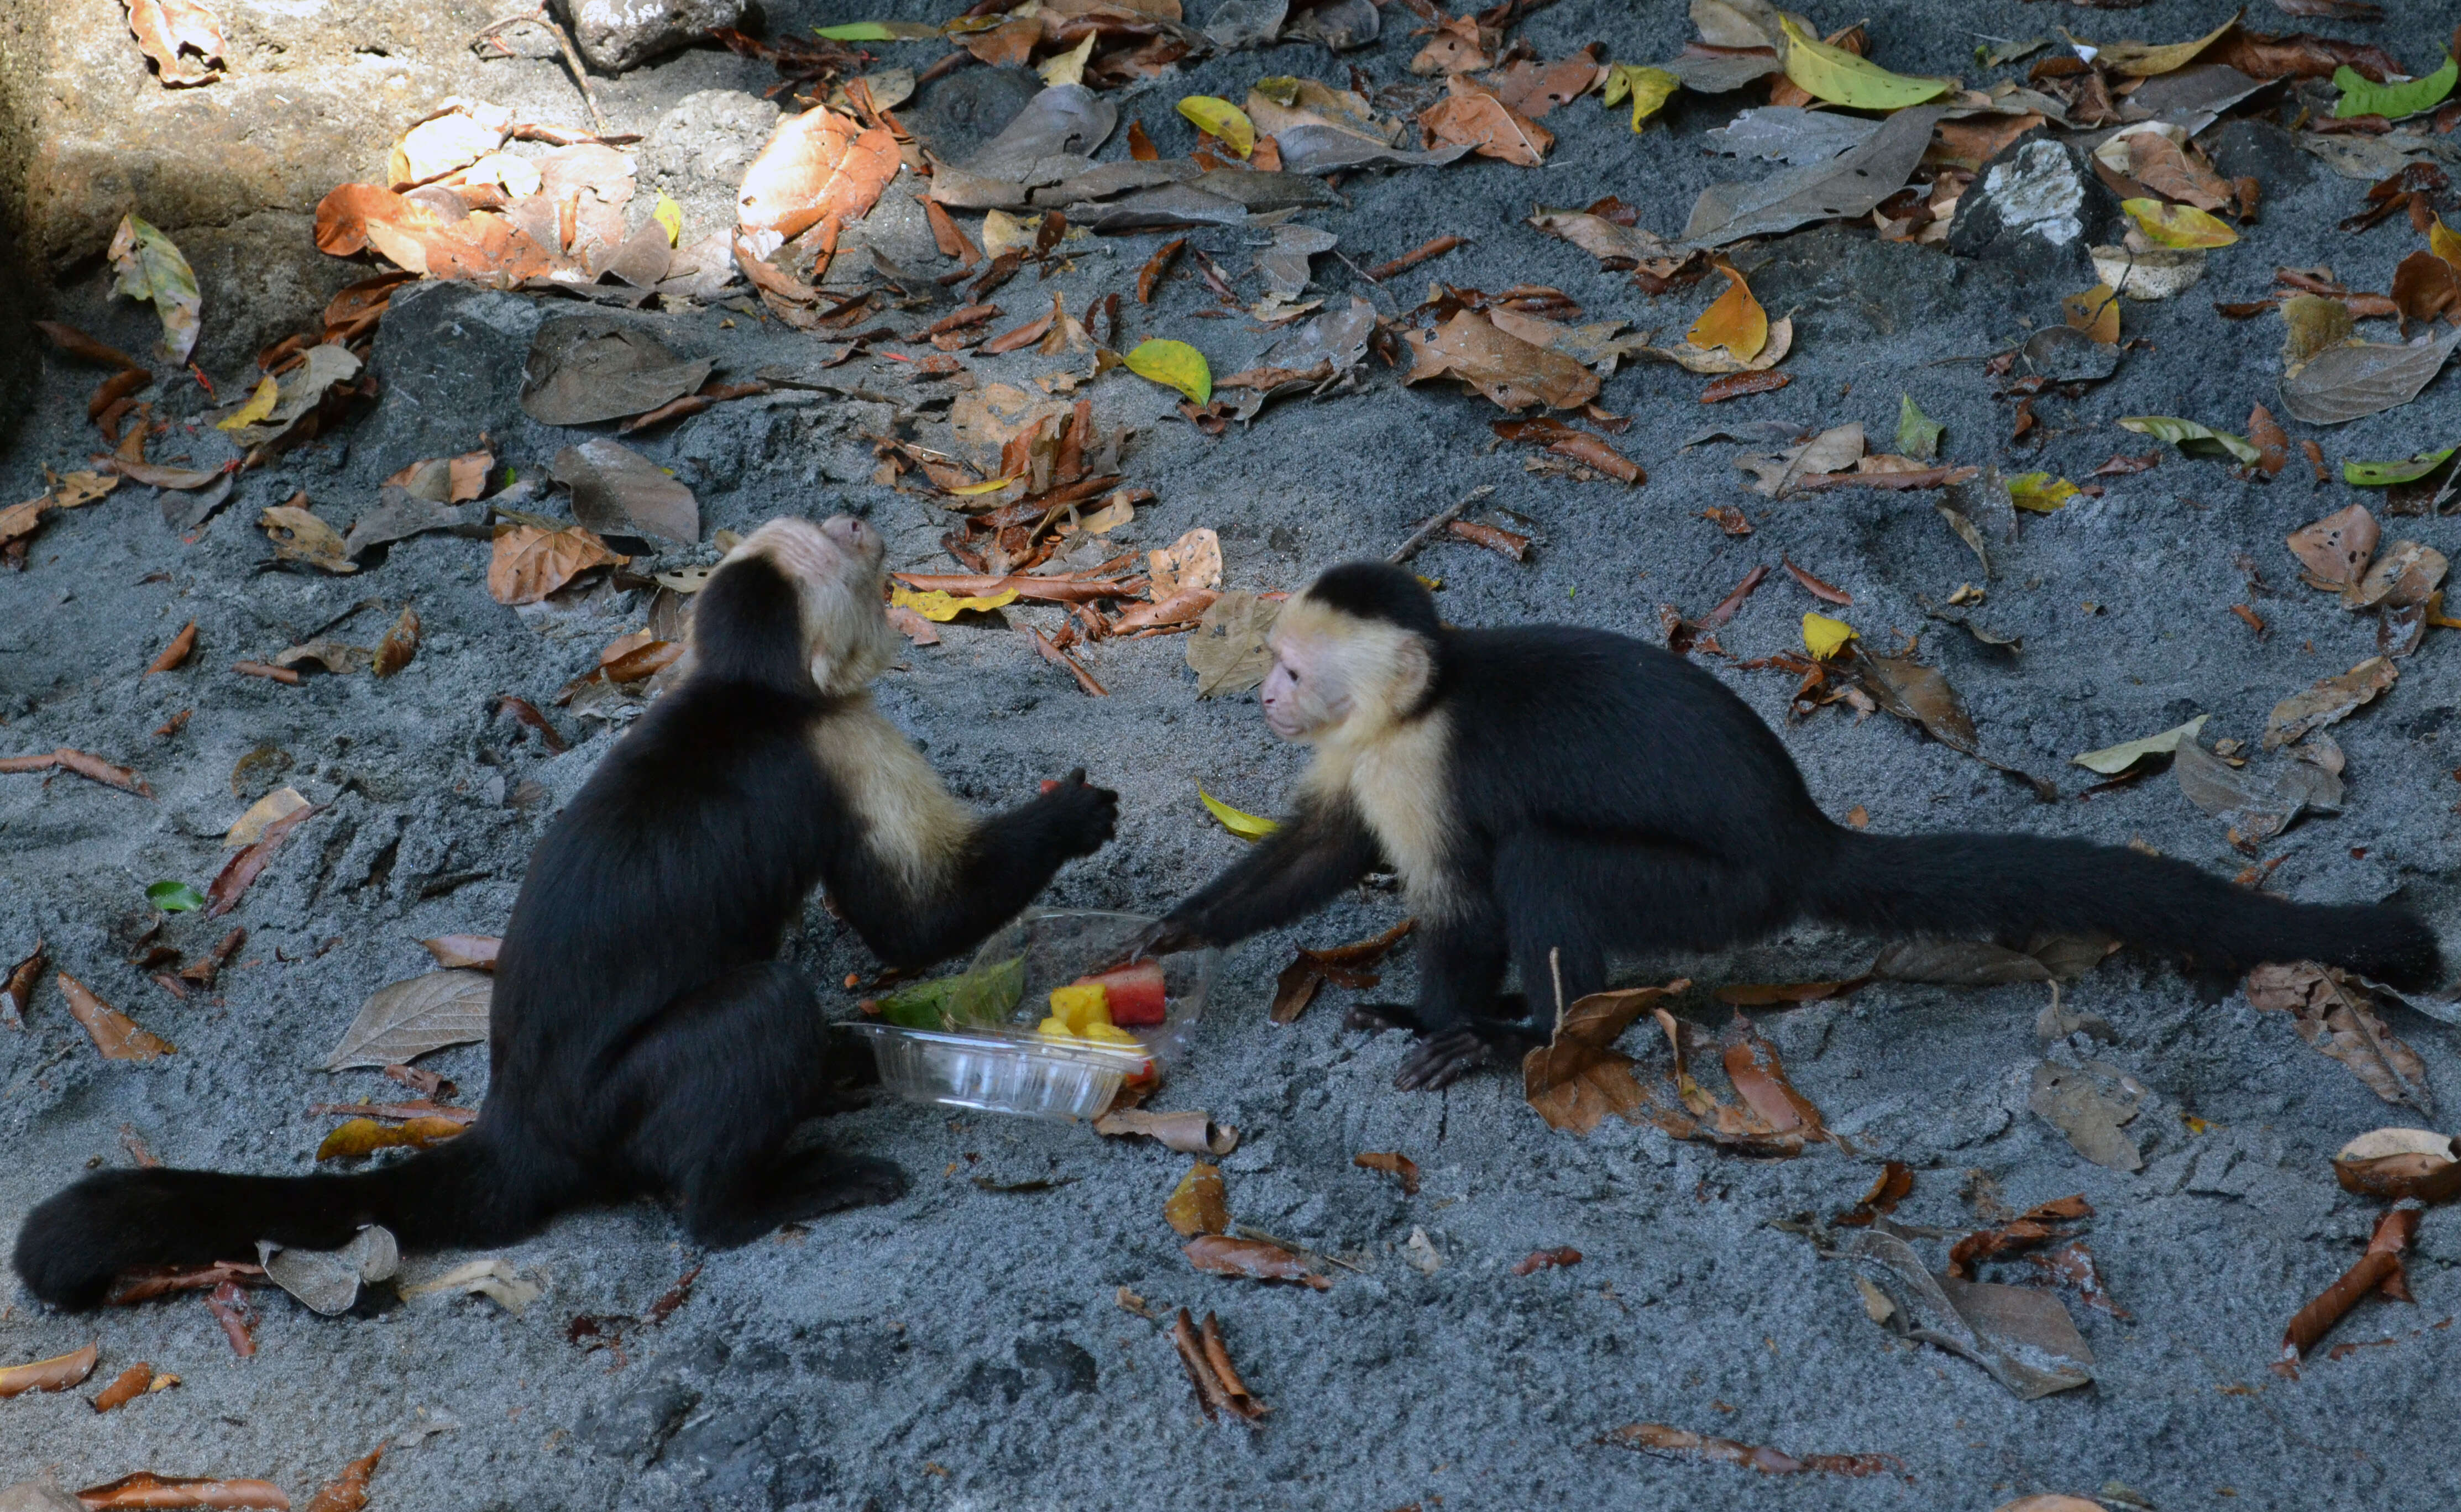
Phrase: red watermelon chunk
[1135,993]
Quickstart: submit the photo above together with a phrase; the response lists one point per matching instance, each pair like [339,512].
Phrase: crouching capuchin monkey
[646,1038]
[1547,791]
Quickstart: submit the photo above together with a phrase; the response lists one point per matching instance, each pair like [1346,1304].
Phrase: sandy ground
[963,1348]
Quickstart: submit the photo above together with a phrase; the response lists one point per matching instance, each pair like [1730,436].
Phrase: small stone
[617,34]
[2036,205]
[637,1424]
[1062,1363]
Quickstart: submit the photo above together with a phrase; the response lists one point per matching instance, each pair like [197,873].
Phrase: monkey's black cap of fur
[1378,590]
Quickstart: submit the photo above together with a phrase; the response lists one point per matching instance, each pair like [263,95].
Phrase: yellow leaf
[2143,59]
[1247,826]
[1069,67]
[1218,118]
[2177,225]
[973,490]
[366,1136]
[2095,313]
[1199,1205]
[1824,636]
[1174,363]
[1734,320]
[941,606]
[2444,242]
[1841,79]
[2039,492]
[671,215]
[259,405]
[1650,89]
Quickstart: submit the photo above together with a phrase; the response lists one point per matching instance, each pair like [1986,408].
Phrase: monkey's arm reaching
[1293,872]
[993,871]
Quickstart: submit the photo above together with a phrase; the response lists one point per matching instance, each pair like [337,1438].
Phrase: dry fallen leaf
[399,644]
[1228,653]
[348,1492]
[299,536]
[2089,1103]
[818,166]
[1392,1163]
[1251,1259]
[1488,127]
[1199,1205]
[531,563]
[2335,1015]
[1659,1438]
[453,950]
[57,1374]
[1207,1359]
[1511,373]
[1194,560]
[1190,1133]
[2335,550]
[2378,1269]
[362,1137]
[2331,700]
[490,1276]
[232,882]
[1342,965]
[113,1032]
[1759,1076]
[2397,1164]
[617,491]
[2021,1336]
[146,1489]
[1733,321]
[1579,1078]
[407,1019]
[1537,1260]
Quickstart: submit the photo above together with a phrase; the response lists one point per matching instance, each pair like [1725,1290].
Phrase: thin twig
[571,55]
[1435,526]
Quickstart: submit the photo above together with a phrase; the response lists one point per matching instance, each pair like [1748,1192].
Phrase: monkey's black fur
[646,1040]
[1609,795]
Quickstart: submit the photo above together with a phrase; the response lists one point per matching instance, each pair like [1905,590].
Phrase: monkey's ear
[1414,671]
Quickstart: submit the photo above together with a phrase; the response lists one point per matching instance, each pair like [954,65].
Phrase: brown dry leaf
[113,1032]
[1457,47]
[2425,286]
[2396,1165]
[183,38]
[299,536]
[250,827]
[2089,1104]
[1537,1260]
[1228,653]
[2334,1014]
[2334,551]
[1659,1438]
[399,644]
[407,1019]
[1772,995]
[1207,1359]
[2379,1268]
[17,992]
[1194,560]
[1923,695]
[1392,1163]
[57,1374]
[1511,373]
[617,490]
[1251,1259]
[1157,268]
[2095,313]
[146,1489]
[361,1137]
[818,165]
[2176,173]
[531,563]
[1494,538]
[2271,441]
[2405,574]
[128,1386]
[144,1286]
[1532,88]
[1342,965]
[232,882]
[1190,1133]
[85,764]
[1759,1076]
[349,1492]
[1734,321]
[1488,127]
[1891,1186]
[174,653]
[2329,701]
[1564,441]
[1200,1204]
[1579,1078]
[2039,1224]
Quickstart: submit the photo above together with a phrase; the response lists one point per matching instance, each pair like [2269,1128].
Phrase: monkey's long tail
[2011,885]
[71,1246]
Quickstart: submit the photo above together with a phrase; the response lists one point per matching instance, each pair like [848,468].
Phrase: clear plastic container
[1010,1068]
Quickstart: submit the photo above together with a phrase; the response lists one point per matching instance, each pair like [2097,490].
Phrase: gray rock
[617,34]
[1340,25]
[1246,23]
[2242,145]
[955,115]
[2037,207]
[635,1425]
[450,353]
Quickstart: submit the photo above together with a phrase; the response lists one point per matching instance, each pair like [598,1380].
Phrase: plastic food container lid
[1005,1065]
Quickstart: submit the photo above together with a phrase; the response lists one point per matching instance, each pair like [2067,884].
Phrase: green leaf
[1841,79]
[2196,441]
[2039,492]
[1650,89]
[879,32]
[150,267]
[2380,475]
[1918,433]
[2364,96]
[174,897]
[2112,760]
[1244,825]
[1173,364]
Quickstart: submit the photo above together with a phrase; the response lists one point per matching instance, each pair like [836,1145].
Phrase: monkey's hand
[1160,938]
[1088,816]
[1440,1060]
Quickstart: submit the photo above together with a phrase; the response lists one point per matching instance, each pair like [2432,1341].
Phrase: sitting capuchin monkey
[1550,795]
[646,1038]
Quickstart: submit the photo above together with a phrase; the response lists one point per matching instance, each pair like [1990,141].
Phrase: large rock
[617,34]
[2038,206]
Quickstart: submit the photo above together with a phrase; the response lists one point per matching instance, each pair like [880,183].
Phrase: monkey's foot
[1443,1059]
[1376,1017]
[809,1187]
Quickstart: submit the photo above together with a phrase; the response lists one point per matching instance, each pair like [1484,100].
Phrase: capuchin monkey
[1550,795]
[646,1038]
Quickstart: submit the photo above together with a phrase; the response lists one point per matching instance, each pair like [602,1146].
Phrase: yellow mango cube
[1082,1006]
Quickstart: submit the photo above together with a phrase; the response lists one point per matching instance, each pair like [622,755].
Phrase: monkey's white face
[837,566]
[1336,677]
[1300,698]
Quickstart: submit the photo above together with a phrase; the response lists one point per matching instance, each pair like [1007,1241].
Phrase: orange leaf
[348,1493]
[1734,320]
[176,652]
[130,1385]
[818,166]
[115,1033]
[57,1374]
[366,1136]
[531,563]
[146,1489]
[1491,128]
[1220,1255]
